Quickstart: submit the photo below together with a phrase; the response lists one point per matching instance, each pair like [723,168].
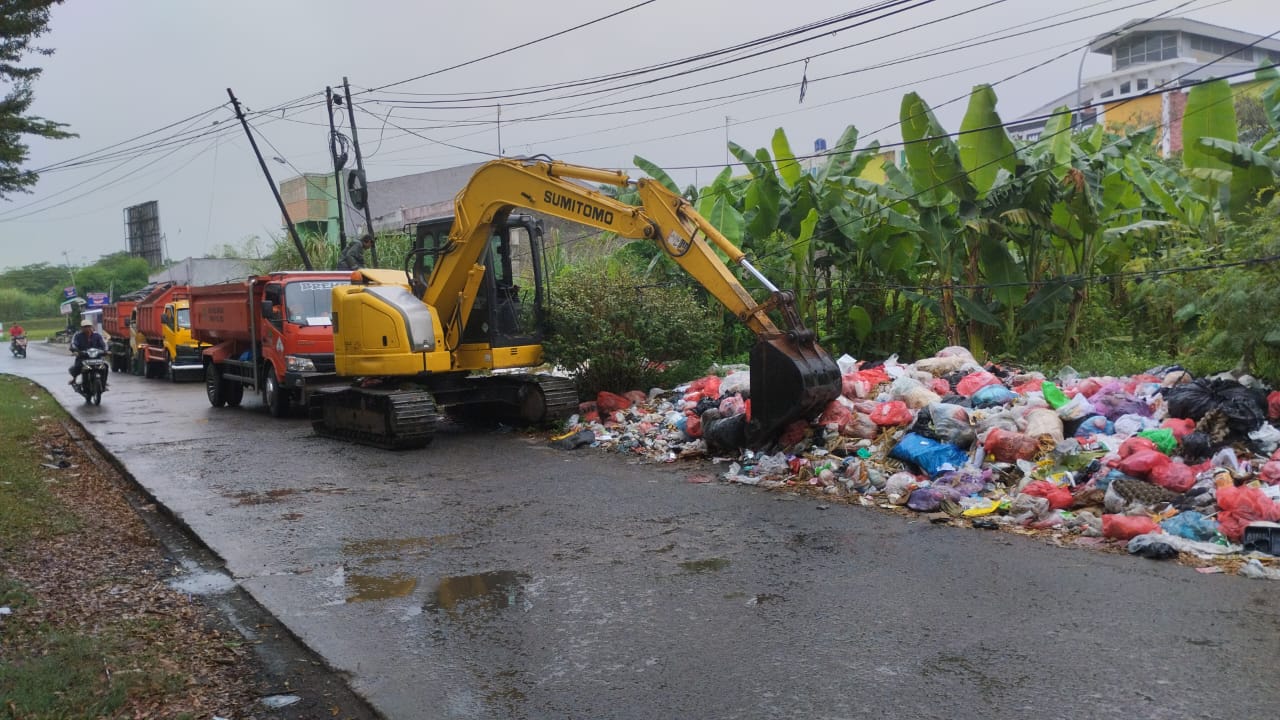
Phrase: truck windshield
[184,318]
[309,302]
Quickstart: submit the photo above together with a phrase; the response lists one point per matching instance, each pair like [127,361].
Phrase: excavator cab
[510,305]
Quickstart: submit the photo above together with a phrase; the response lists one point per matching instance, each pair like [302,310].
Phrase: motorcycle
[18,346]
[93,375]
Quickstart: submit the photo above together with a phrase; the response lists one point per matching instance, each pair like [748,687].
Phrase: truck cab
[182,351]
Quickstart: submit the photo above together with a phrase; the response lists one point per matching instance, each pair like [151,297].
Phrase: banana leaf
[985,147]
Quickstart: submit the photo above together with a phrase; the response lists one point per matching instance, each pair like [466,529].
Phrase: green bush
[616,331]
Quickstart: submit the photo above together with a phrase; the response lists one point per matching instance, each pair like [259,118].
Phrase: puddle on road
[480,593]
[203,583]
[371,587]
[248,497]
[396,546]
[705,566]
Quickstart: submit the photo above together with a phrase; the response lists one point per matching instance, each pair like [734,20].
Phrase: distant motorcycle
[93,375]
[18,346]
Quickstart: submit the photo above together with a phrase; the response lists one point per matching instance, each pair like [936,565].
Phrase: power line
[535,41]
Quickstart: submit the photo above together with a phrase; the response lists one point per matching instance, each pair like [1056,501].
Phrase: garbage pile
[1162,463]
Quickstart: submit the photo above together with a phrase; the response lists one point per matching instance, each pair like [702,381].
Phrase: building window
[1125,87]
[1142,84]
[1108,93]
[1146,48]
[1215,46]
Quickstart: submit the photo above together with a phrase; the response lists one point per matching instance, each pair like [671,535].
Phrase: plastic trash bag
[1130,424]
[1192,526]
[1053,395]
[913,393]
[1043,421]
[1058,496]
[1240,506]
[894,412]
[899,486]
[1153,546]
[1077,408]
[1265,439]
[1140,463]
[846,364]
[1126,527]
[1173,476]
[1180,427]
[951,424]
[931,456]
[1163,438]
[1094,425]
[1245,409]
[975,382]
[940,365]
[1196,446]
[992,395]
[926,499]
[1009,447]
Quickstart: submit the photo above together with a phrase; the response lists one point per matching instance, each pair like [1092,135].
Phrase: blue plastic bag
[1095,425]
[929,455]
[1191,525]
[992,395]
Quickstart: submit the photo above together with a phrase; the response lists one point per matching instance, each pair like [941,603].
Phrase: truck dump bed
[221,313]
[115,315]
[151,308]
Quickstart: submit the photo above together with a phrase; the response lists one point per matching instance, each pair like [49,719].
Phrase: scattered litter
[279,701]
[1170,465]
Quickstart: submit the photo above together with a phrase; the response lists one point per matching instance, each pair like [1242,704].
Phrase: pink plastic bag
[940,386]
[1127,527]
[1270,473]
[974,382]
[1181,427]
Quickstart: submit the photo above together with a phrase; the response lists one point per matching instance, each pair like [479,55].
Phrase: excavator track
[391,419]
[523,399]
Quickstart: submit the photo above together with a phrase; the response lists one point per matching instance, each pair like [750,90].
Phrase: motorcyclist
[83,340]
[15,331]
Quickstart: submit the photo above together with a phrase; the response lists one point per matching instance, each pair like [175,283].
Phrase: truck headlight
[293,363]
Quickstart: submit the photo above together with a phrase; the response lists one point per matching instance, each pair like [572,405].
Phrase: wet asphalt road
[490,576]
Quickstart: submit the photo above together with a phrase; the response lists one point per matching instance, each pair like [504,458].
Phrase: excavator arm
[791,376]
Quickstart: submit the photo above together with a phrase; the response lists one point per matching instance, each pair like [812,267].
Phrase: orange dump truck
[270,334]
[162,341]
[116,319]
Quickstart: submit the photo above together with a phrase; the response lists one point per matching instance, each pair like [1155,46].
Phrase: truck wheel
[213,385]
[273,396]
[233,392]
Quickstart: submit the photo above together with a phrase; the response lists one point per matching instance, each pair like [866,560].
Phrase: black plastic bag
[1245,409]
[1196,447]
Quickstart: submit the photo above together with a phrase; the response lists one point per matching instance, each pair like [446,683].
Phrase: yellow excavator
[428,339]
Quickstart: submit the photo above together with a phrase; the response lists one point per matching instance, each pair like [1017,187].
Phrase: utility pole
[355,144]
[337,168]
[726,139]
[499,128]
[293,232]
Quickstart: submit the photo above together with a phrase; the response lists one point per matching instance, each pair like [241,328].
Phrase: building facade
[1152,62]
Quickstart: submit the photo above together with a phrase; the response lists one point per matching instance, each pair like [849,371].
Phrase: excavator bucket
[790,380]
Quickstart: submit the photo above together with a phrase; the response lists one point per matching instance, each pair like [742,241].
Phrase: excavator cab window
[508,310]
[429,236]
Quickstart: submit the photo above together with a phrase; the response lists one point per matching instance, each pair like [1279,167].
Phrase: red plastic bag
[894,412]
[639,397]
[1134,444]
[1141,463]
[1181,427]
[608,403]
[1006,446]
[974,382]
[1273,405]
[1127,527]
[1240,506]
[1088,386]
[1058,496]
[836,414]
[693,426]
[873,377]
[708,386]
[1173,476]
[940,386]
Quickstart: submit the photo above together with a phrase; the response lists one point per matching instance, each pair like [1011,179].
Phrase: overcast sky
[127,67]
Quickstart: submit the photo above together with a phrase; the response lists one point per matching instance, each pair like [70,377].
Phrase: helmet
[86,323]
